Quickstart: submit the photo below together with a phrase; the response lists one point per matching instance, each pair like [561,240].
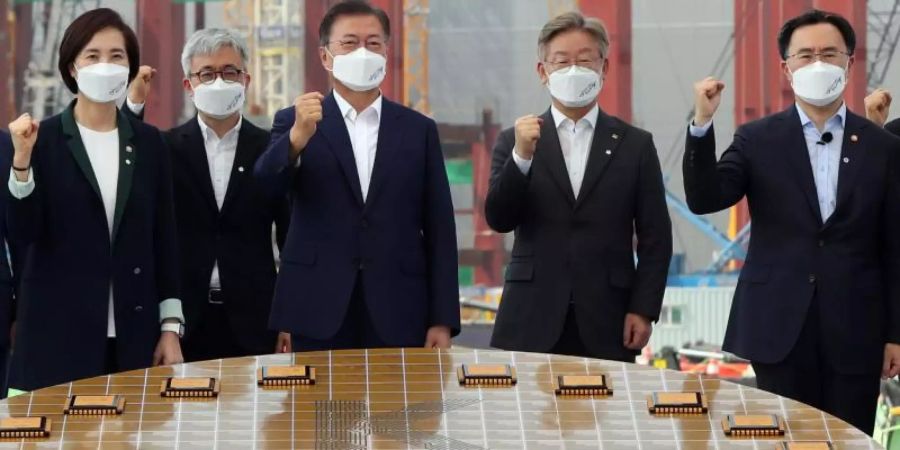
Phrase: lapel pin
[853,138]
[615,136]
[128,161]
[241,169]
[128,148]
[608,152]
[846,160]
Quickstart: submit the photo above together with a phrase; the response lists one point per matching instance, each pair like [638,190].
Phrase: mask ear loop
[332,60]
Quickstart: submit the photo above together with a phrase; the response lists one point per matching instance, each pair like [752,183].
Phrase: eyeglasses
[348,45]
[588,63]
[828,56]
[227,75]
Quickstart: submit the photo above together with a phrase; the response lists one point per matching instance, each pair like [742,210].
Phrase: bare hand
[528,131]
[878,106]
[707,96]
[307,115]
[283,344]
[891,366]
[438,337]
[140,86]
[168,350]
[24,133]
[637,331]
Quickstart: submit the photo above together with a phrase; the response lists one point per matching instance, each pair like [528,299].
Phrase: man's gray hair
[210,40]
[573,21]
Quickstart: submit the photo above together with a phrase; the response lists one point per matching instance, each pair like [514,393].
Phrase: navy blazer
[401,241]
[70,259]
[7,306]
[846,270]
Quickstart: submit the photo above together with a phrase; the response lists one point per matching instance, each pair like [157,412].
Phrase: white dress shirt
[363,130]
[220,153]
[103,151]
[824,158]
[575,142]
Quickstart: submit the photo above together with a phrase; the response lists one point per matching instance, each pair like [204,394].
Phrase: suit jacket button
[821,242]
[812,278]
[137,270]
[138,308]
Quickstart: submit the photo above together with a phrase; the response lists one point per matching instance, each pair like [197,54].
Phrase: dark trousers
[807,376]
[214,338]
[112,360]
[357,330]
[570,342]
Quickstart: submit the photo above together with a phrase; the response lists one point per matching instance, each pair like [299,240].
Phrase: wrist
[21,161]
[297,141]
[524,155]
[701,120]
[175,328]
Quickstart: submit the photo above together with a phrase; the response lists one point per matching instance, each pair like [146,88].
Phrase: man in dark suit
[370,258]
[577,185]
[223,217]
[817,306]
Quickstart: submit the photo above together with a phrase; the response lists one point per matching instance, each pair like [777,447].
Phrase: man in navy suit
[817,306]
[370,258]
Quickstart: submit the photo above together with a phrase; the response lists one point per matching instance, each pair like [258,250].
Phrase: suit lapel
[76,147]
[550,152]
[127,161]
[195,155]
[607,135]
[241,170]
[335,131]
[797,153]
[852,158]
[388,144]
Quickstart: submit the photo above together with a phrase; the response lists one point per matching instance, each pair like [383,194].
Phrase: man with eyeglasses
[224,218]
[817,306]
[578,186]
[370,259]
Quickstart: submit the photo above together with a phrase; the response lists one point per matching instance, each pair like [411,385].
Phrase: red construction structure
[160,30]
[7,65]
[615,98]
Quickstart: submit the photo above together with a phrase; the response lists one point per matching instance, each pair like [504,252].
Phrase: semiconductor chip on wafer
[805,445]
[486,375]
[583,385]
[753,425]
[273,376]
[95,405]
[24,427]
[677,403]
[190,387]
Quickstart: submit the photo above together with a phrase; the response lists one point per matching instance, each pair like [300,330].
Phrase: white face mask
[819,83]
[102,82]
[219,99]
[575,86]
[360,70]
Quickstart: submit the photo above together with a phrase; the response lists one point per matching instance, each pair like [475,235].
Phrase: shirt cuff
[523,164]
[297,163]
[699,132]
[136,108]
[170,308]
[21,189]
